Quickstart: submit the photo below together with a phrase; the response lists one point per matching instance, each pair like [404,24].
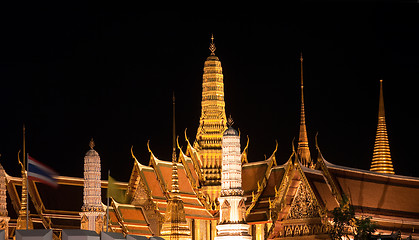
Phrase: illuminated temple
[180,198]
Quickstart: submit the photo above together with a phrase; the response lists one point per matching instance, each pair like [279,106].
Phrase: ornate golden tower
[212,123]
[381,158]
[303,150]
[175,226]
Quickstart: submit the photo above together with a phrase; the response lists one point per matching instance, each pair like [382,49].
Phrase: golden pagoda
[381,158]
[303,150]
[212,124]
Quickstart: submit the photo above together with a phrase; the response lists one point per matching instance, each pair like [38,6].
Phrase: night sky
[73,72]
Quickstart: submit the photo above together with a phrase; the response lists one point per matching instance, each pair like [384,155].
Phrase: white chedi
[232,222]
[92,211]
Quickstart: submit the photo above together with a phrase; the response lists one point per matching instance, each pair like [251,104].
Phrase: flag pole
[27,192]
[107,204]
[25,162]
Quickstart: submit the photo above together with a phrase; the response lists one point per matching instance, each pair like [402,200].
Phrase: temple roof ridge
[311,170]
[367,172]
[268,160]
[153,158]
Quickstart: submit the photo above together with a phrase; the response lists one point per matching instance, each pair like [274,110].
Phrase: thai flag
[41,173]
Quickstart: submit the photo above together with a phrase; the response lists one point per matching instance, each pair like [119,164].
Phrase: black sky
[75,71]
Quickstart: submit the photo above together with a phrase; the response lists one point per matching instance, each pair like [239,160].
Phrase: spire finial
[174,131]
[212,45]
[230,121]
[91,144]
[381,159]
[301,68]
[303,150]
[381,101]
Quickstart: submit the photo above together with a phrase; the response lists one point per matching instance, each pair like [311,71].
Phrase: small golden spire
[303,150]
[175,177]
[91,144]
[174,130]
[212,45]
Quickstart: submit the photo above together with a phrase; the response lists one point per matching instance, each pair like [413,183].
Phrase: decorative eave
[182,159]
[119,216]
[136,180]
[321,165]
[244,153]
[12,192]
[153,163]
[271,161]
[280,193]
[152,156]
[196,160]
[127,223]
[195,185]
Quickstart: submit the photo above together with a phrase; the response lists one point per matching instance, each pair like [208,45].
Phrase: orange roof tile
[150,179]
[251,174]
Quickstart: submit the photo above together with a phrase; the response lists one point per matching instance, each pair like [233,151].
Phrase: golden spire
[303,150]
[175,225]
[212,45]
[175,178]
[381,159]
[212,123]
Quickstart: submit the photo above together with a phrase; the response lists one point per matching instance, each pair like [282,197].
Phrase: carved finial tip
[91,144]
[212,45]
[230,121]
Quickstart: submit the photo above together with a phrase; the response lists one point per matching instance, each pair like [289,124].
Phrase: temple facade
[210,189]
